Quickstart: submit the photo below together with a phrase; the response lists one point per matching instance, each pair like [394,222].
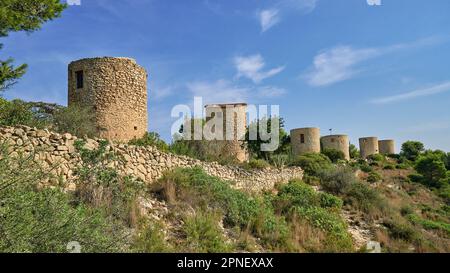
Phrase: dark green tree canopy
[412,149]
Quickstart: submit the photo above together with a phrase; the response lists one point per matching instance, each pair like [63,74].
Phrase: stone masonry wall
[116,90]
[57,153]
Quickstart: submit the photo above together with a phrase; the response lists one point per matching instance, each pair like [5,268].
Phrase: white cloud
[340,63]
[163,92]
[337,64]
[268,18]
[251,67]
[271,16]
[219,91]
[428,127]
[271,91]
[436,89]
[224,91]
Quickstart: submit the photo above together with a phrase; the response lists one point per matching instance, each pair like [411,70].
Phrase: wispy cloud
[252,67]
[268,18]
[337,64]
[160,93]
[218,91]
[341,62]
[222,91]
[271,91]
[436,89]
[428,127]
[272,16]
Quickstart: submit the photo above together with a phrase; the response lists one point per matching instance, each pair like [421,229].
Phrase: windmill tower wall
[233,128]
[305,140]
[368,146]
[387,146]
[337,142]
[116,91]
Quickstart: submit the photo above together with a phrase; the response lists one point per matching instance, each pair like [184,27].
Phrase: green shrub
[366,168]
[333,154]
[150,239]
[279,160]
[18,112]
[337,180]
[401,231]
[102,187]
[334,226]
[374,177]
[151,139]
[376,158]
[298,194]
[429,224]
[403,166]
[203,234]
[76,120]
[364,198]
[354,153]
[432,168]
[412,149]
[389,166]
[313,163]
[256,164]
[46,220]
[414,177]
[239,209]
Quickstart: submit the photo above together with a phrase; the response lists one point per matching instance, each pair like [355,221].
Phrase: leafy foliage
[432,169]
[46,220]
[203,234]
[337,180]
[254,146]
[79,121]
[23,15]
[412,149]
[354,153]
[313,163]
[151,139]
[333,154]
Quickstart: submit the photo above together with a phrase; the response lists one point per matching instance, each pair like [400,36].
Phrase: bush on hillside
[151,139]
[333,154]
[412,149]
[313,163]
[338,179]
[76,120]
[46,220]
[432,169]
[374,177]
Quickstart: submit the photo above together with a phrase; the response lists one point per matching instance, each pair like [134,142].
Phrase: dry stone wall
[57,153]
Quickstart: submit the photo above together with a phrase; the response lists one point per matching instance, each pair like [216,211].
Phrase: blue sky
[363,70]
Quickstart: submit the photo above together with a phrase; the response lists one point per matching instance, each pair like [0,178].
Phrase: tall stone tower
[387,146]
[305,140]
[337,142]
[368,146]
[116,91]
[235,118]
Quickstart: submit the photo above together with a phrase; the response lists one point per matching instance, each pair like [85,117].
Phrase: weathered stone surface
[146,163]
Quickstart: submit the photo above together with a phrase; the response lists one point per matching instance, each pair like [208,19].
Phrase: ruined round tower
[368,146]
[387,146]
[234,117]
[305,140]
[337,142]
[116,91]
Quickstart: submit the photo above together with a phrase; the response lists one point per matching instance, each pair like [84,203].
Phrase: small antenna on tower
[331,131]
